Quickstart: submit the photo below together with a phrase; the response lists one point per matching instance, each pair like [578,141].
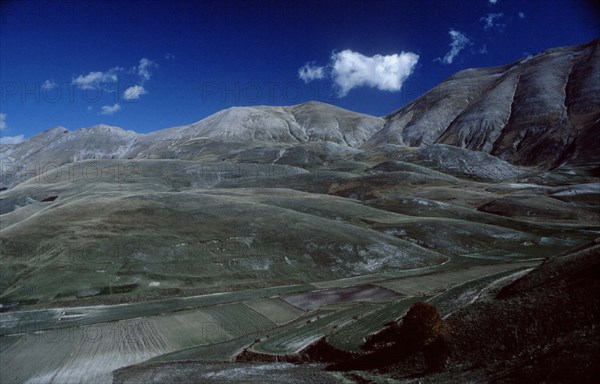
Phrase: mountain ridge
[533,112]
[539,111]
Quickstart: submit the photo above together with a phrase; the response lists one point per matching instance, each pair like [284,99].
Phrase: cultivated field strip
[211,325]
[7,341]
[276,310]
[465,294]
[435,282]
[93,361]
[315,299]
[91,353]
[293,340]
[39,320]
[223,351]
[36,358]
[351,336]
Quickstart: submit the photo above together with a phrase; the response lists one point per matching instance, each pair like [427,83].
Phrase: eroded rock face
[464,162]
[539,111]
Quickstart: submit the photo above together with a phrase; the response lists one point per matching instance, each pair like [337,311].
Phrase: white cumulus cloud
[387,73]
[348,69]
[110,109]
[97,78]
[134,92]
[3,125]
[459,41]
[521,15]
[12,139]
[310,71]
[493,1]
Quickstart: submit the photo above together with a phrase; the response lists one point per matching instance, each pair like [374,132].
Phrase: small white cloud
[348,69]
[144,69]
[110,109]
[483,49]
[493,1]
[96,79]
[309,72]
[49,85]
[387,73]
[134,92]
[459,42]
[3,125]
[491,20]
[169,56]
[521,15]
[86,82]
[12,139]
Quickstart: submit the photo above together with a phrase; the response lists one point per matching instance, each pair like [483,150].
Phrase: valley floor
[86,344]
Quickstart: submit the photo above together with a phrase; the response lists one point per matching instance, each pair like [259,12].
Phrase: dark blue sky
[76,64]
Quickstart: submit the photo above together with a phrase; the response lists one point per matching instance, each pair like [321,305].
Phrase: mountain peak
[105,127]
[539,111]
[314,103]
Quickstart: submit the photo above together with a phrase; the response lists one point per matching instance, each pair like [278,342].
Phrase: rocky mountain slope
[542,110]
[541,328]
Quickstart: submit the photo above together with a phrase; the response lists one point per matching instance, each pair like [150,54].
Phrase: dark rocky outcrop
[541,328]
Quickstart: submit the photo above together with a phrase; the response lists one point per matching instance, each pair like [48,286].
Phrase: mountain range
[541,111]
[298,233]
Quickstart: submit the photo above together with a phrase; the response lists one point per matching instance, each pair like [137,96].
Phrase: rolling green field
[207,277]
